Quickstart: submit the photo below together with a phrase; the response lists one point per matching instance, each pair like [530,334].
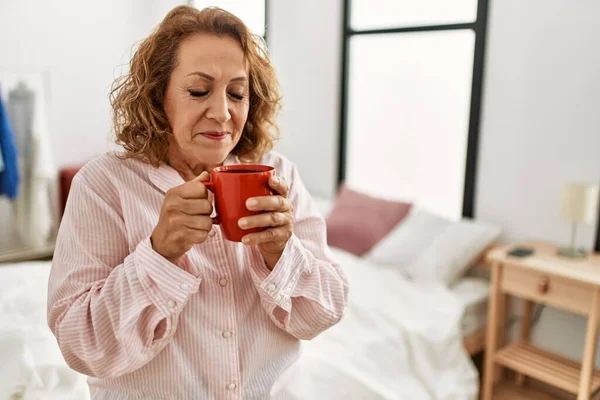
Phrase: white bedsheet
[396,341]
[31,365]
[473,293]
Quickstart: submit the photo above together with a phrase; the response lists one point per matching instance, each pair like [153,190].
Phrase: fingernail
[245,240]
[276,180]
[243,223]
[251,203]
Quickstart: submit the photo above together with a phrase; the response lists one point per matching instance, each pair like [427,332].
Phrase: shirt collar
[166,177]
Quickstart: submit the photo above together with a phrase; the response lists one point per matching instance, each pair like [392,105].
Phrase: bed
[31,365]
[360,351]
[472,291]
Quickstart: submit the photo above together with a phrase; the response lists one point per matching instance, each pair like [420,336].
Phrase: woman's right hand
[184,219]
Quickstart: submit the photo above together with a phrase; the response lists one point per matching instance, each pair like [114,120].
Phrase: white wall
[305,39]
[541,111]
[541,128]
[160,8]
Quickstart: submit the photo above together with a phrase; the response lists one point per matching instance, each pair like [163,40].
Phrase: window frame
[479,27]
[597,247]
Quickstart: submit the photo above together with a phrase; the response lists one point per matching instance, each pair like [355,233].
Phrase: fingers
[195,206]
[280,234]
[193,189]
[195,222]
[191,229]
[195,235]
[181,240]
[272,203]
[279,185]
[268,203]
[203,177]
[176,206]
[265,220]
[277,218]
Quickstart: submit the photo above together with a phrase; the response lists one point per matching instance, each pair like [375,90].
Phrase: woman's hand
[277,218]
[184,219]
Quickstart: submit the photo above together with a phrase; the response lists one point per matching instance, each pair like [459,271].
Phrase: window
[411,115]
[380,14]
[411,99]
[252,12]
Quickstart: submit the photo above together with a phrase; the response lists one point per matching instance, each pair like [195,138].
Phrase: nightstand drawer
[553,290]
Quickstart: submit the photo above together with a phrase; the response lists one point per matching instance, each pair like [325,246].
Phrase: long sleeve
[111,308]
[307,291]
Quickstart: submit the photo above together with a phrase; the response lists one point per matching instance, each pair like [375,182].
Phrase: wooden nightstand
[544,277]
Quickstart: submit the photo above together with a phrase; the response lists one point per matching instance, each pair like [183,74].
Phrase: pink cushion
[358,221]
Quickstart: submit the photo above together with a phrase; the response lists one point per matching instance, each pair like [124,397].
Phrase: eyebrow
[210,78]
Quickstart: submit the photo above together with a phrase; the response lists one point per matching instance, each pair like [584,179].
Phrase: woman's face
[206,101]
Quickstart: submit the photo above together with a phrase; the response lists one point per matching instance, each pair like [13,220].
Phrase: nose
[218,108]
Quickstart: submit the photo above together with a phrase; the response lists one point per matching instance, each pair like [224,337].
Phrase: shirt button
[171,304]
[184,286]
[271,288]
[226,334]
[223,282]
[232,386]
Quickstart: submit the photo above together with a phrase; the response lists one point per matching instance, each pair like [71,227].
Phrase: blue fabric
[9,176]
[1,160]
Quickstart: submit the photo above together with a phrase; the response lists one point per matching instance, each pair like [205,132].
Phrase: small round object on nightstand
[543,285]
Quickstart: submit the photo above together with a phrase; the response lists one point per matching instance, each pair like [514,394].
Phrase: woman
[145,295]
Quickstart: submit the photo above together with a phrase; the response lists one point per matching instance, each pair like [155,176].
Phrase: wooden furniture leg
[502,321]
[525,331]
[589,352]
[492,332]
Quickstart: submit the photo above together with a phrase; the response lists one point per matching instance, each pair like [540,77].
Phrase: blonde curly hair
[139,120]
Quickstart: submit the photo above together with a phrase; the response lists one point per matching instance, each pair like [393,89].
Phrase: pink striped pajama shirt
[219,325]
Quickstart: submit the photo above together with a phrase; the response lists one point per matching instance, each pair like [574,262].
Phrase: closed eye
[195,93]
[237,96]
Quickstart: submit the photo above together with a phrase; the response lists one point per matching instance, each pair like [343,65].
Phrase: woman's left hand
[278,219]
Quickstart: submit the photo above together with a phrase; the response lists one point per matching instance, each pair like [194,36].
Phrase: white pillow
[407,241]
[453,251]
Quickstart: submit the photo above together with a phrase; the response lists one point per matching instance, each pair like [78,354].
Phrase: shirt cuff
[277,286]
[168,285]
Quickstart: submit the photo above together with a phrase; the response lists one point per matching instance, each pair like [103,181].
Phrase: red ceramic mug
[232,185]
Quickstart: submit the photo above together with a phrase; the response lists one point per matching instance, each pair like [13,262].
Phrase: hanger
[21,91]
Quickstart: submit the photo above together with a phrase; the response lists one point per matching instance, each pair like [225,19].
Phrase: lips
[215,135]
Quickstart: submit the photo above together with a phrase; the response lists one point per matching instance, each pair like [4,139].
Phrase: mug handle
[211,186]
